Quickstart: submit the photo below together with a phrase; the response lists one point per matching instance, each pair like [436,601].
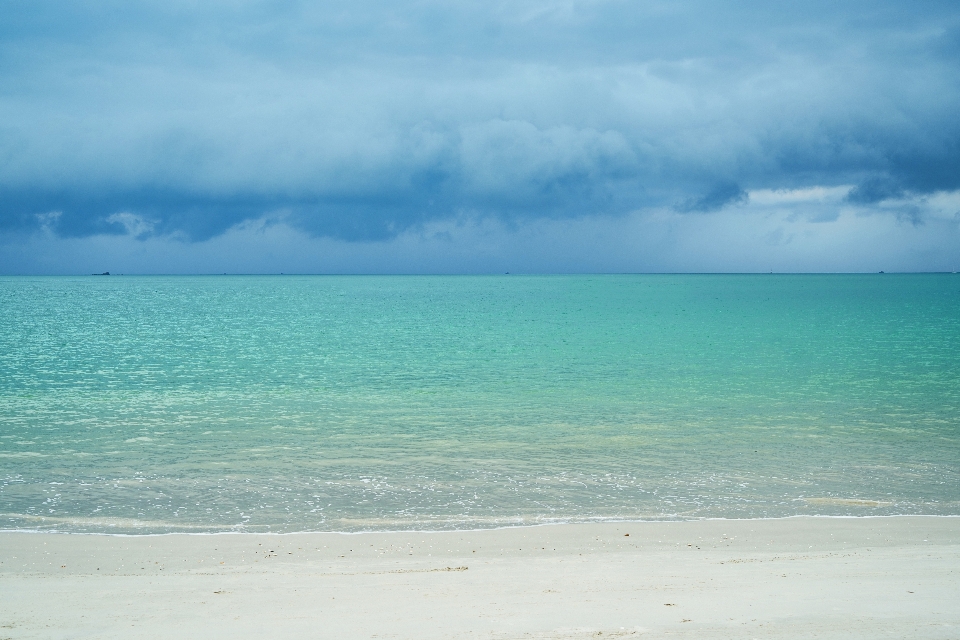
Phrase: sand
[896,577]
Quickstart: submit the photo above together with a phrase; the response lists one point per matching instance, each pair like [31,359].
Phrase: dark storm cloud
[359,120]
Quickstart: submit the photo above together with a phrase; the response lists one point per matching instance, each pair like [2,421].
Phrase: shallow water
[283,403]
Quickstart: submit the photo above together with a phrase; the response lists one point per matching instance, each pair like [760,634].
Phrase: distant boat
[105,273]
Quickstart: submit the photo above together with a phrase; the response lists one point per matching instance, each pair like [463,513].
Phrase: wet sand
[791,578]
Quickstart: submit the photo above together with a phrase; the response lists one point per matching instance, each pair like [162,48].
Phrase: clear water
[151,404]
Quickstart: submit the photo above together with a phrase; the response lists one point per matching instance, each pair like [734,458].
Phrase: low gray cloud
[717,198]
[363,120]
[874,190]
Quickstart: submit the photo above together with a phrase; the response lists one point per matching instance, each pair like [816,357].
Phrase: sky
[368,136]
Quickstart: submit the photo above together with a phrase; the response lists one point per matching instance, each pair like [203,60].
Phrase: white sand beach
[791,578]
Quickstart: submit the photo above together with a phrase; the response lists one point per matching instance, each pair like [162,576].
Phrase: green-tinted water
[147,404]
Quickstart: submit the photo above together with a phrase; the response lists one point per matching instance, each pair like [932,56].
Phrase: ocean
[151,404]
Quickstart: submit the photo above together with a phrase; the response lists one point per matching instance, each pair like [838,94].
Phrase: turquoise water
[283,403]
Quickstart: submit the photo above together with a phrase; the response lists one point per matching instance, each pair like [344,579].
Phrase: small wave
[51,522]
[847,502]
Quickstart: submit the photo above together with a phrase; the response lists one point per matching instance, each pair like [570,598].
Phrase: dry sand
[893,577]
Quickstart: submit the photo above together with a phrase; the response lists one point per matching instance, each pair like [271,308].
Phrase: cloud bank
[370,122]
[799,230]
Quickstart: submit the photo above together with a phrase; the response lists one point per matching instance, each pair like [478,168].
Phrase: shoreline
[824,576]
[217,532]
